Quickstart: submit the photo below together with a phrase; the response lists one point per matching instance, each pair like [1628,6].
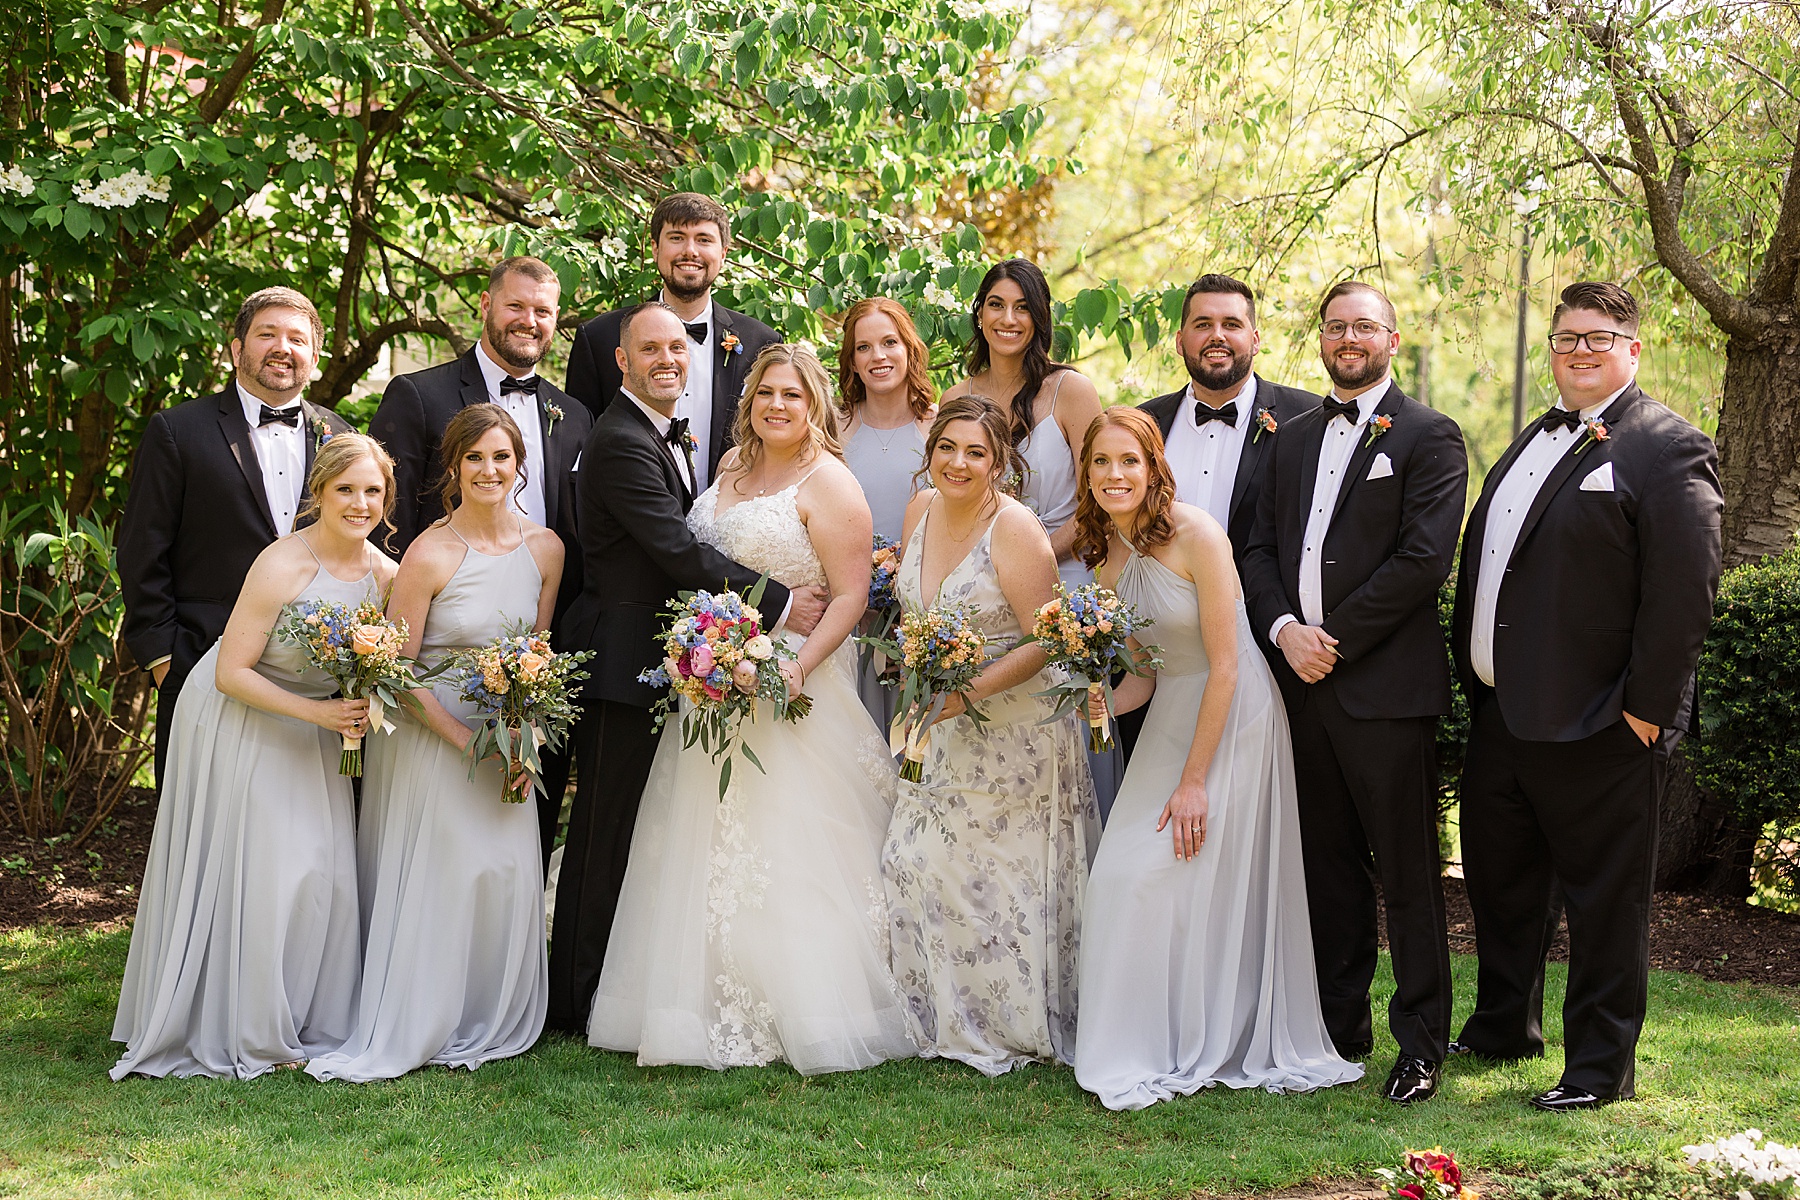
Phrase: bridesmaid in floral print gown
[986,859]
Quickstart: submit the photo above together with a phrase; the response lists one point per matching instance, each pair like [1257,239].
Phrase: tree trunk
[1700,845]
[1759,442]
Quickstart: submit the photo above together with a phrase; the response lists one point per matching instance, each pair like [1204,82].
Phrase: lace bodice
[764,533]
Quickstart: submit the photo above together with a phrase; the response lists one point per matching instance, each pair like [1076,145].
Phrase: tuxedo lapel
[1309,466]
[1577,454]
[473,387]
[546,396]
[1365,446]
[1247,459]
[1477,527]
[724,396]
[682,491]
[311,418]
[237,437]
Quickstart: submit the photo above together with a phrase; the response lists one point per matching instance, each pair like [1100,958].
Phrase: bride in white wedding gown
[753,929]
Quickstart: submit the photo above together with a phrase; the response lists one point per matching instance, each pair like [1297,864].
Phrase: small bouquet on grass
[1085,631]
[524,694]
[940,652]
[1426,1175]
[717,657]
[359,648]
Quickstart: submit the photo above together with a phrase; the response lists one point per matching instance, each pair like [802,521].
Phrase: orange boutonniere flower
[1378,425]
[1265,423]
[730,344]
[1592,430]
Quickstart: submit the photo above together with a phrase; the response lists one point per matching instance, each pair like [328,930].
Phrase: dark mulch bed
[96,884]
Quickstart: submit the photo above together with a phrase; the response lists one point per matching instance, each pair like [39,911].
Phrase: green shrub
[1612,1177]
[1748,754]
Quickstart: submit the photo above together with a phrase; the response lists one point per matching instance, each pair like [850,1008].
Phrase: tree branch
[1781,262]
[222,91]
[350,366]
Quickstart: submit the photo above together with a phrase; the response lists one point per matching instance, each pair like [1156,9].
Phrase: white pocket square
[1382,468]
[1600,479]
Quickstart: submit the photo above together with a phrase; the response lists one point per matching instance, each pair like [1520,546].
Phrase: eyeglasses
[1361,331]
[1598,340]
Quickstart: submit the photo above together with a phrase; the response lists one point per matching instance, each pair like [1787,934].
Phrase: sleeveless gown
[986,859]
[752,930]
[1201,972]
[455,971]
[884,462]
[245,952]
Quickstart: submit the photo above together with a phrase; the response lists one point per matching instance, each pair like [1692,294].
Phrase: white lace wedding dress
[753,929]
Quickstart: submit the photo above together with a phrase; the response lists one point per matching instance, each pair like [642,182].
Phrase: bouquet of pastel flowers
[884,589]
[359,647]
[524,695]
[940,653]
[1085,629]
[718,658]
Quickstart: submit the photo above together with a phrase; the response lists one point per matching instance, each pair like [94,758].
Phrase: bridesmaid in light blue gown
[245,952]
[1197,963]
[455,971]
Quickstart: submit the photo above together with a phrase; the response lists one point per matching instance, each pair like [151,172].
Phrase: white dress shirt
[281,453]
[662,423]
[1341,440]
[1506,515]
[523,408]
[1205,457]
[696,403]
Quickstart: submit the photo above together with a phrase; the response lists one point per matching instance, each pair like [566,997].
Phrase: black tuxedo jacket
[1285,403]
[638,553]
[1387,551]
[1609,593]
[410,422]
[196,517]
[594,377]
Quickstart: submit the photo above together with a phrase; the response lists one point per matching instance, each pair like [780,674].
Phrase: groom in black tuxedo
[518,322]
[1355,532]
[1585,591]
[216,480]
[690,235]
[636,485]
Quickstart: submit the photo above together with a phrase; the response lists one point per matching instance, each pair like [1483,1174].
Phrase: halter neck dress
[245,954]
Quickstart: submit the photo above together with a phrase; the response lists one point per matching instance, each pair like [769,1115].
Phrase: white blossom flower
[540,208]
[613,247]
[13,179]
[122,191]
[814,78]
[1745,1155]
[939,297]
[301,148]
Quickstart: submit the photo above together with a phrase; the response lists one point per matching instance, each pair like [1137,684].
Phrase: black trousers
[1367,794]
[555,770]
[1582,814]
[614,746]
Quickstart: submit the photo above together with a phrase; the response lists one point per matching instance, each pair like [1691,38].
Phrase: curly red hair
[1093,523]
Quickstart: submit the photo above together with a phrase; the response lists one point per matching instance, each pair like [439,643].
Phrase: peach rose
[367,639]
[530,664]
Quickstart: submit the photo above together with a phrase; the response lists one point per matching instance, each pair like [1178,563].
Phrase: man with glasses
[1585,592]
[1355,532]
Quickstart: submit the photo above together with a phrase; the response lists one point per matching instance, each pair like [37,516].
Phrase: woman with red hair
[1197,962]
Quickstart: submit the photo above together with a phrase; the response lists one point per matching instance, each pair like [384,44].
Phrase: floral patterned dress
[987,858]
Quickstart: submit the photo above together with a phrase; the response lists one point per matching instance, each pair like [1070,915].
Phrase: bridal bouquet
[940,653]
[718,659]
[359,648]
[524,694]
[1085,631]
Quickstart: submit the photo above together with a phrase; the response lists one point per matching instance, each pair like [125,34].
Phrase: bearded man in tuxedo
[1585,591]
[518,321]
[1355,532]
[690,235]
[637,483]
[216,480]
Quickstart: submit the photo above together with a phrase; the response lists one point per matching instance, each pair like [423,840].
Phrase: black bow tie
[697,331]
[678,433]
[1346,409]
[286,416]
[510,384]
[1204,412]
[1567,418]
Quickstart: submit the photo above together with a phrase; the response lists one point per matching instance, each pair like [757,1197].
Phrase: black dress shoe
[1456,1048]
[1412,1080]
[1563,1098]
[1355,1052]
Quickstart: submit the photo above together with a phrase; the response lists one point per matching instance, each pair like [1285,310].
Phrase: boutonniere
[321,430]
[730,344]
[1265,423]
[1592,430]
[693,443]
[1378,425]
[552,414]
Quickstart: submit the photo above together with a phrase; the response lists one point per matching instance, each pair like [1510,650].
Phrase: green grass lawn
[569,1121]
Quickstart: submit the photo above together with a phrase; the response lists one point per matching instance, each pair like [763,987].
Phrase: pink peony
[744,676]
[700,659]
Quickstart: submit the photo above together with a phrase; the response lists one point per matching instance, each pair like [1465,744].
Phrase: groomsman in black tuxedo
[1218,430]
[638,480]
[518,321]
[690,235]
[216,480]
[1585,592]
[1355,532]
